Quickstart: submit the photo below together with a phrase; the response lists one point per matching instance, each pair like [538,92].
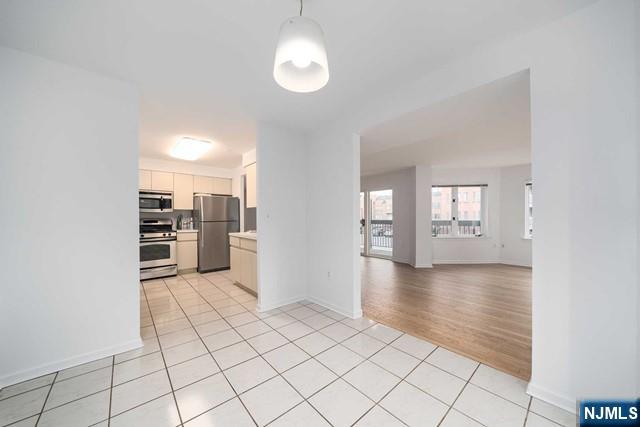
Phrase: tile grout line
[377,403]
[113,368]
[527,413]
[312,357]
[338,376]
[300,320]
[209,352]
[272,367]
[28,390]
[163,359]
[247,309]
[458,396]
[45,399]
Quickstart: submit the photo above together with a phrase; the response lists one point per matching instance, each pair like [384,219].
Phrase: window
[458,211]
[528,210]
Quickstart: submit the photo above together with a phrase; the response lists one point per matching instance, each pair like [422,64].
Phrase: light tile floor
[210,359]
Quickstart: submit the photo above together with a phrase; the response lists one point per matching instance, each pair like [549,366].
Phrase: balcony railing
[381,233]
[441,227]
[465,228]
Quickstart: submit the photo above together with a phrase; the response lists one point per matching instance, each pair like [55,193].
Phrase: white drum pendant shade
[301,58]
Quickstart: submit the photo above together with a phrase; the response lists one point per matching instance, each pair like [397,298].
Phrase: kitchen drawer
[248,244]
[187,237]
[234,241]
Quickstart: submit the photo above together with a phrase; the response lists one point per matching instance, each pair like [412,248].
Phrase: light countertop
[195,230]
[245,235]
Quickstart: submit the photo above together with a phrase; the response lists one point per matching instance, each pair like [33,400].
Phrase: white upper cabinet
[182,191]
[161,181]
[144,179]
[183,185]
[210,185]
[222,186]
[250,170]
[203,184]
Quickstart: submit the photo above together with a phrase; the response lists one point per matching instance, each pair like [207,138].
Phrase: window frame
[484,212]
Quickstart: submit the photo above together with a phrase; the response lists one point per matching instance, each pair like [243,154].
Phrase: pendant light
[301,58]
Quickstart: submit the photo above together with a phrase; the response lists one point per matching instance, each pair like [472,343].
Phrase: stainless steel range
[157,248]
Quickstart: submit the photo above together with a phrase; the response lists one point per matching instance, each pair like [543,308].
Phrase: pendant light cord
[301,7]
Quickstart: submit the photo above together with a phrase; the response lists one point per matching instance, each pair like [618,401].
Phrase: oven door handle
[160,269]
[156,240]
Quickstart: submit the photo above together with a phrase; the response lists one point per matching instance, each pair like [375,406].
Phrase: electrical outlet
[328,275]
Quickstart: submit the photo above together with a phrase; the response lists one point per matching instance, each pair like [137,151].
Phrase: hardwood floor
[480,311]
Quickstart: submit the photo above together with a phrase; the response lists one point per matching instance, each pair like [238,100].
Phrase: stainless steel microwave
[155,201]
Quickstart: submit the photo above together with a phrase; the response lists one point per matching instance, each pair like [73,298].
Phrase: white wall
[515,249]
[596,123]
[68,185]
[333,247]
[424,244]
[249,157]
[281,216]
[584,142]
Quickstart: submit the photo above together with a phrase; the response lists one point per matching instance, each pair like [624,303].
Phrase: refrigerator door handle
[201,228]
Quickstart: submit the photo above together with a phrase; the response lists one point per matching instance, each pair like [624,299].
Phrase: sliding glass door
[376,223]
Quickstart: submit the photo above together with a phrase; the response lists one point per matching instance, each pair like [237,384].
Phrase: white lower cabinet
[187,251]
[244,263]
[235,254]
[252,271]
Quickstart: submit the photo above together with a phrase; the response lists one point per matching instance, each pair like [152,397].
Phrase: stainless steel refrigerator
[215,217]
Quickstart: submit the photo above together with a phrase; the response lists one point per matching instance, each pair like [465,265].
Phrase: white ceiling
[204,67]
[488,126]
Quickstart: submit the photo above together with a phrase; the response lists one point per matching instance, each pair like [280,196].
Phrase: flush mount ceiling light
[190,149]
[301,57]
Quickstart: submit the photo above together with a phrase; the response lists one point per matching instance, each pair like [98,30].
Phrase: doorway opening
[461,234]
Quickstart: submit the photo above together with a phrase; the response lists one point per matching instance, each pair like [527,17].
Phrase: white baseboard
[421,265]
[48,368]
[516,263]
[260,308]
[349,313]
[499,261]
[457,261]
[552,398]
